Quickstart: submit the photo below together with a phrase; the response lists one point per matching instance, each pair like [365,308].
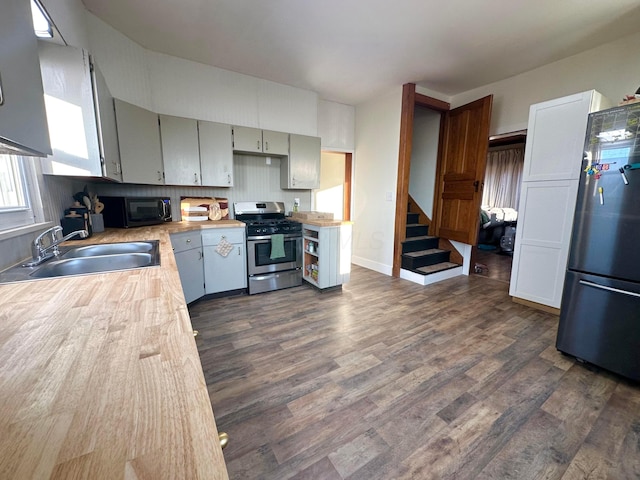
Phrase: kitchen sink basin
[88,259]
[96,264]
[110,249]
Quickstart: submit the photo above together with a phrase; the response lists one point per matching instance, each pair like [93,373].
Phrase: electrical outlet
[268,160]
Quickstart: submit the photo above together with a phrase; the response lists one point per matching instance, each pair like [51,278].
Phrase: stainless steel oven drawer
[274,281]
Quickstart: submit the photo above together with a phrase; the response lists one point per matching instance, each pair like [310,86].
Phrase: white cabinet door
[23,121]
[139,141]
[275,143]
[216,154]
[180,150]
[190,268]
[301,170]
[107,130]
[246,139]
[542,241]
[225,273]
[555,136]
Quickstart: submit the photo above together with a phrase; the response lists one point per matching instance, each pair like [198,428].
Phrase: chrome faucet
[42,253]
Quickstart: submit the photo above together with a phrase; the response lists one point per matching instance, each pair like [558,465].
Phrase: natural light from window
[12,191]
[41,25]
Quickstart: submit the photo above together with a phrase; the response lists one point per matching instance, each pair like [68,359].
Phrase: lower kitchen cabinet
[187,248]
[225,259]
[327,254]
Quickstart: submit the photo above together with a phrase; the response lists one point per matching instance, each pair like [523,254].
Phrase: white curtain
[503,177]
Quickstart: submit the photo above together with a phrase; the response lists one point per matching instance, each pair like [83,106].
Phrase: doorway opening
[493,255]
[334,193]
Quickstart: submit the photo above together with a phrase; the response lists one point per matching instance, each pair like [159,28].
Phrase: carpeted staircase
[420,252]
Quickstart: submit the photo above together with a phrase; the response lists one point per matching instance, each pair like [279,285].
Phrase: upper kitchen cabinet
[80,115]
[555,136]
[254,140]
[301,170]
[23,124]
[139,141]
[216,154]
[180,151]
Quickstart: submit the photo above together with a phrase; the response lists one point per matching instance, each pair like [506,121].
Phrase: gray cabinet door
[139,140]
[66,79]
[275,143]
[301,170]
[190,268]
[23,121]
[246,139]
[216,154]
[180,151]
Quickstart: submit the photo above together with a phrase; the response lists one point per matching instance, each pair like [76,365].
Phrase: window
[19,194]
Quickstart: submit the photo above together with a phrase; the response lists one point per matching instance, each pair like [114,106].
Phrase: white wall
[336,126]
[375,174]
[424,158]
[613,69]
[330,196]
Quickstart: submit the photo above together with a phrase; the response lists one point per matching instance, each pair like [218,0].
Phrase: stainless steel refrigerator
[600,311]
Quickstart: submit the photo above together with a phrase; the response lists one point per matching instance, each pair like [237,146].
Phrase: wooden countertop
[325,223]
[100,376]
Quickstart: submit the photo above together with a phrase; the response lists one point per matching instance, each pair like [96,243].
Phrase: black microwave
[125,212]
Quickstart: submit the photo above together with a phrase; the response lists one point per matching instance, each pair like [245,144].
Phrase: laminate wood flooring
[493,265]
[386,379]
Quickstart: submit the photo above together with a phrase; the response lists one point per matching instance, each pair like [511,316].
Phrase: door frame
[409,101]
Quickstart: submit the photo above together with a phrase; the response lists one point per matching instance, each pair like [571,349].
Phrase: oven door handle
[287,236]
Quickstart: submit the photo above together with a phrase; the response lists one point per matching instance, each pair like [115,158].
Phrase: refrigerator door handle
[610,289]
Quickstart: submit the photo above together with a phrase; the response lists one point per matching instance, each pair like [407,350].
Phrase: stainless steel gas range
[274,246]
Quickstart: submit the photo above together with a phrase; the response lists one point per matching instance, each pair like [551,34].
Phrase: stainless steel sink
[110,249]
[84,260]
[97,264]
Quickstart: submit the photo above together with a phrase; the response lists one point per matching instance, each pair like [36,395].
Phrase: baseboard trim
[371,265]
[538,306]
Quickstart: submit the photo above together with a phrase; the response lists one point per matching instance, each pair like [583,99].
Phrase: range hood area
[80,115]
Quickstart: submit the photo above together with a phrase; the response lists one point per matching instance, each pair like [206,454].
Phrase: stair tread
[421,253]
[421,237]
[417,225]
[438,267]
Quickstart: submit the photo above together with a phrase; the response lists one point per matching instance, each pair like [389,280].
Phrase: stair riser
[417,230]
[413,218]
[418,245]
[411,263]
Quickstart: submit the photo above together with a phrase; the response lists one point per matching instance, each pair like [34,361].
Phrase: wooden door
[463,155]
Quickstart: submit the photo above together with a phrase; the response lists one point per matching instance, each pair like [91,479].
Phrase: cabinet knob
[196,333]
[223,438]
[188,240]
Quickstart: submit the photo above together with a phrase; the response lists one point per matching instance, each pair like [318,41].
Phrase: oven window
[263,253]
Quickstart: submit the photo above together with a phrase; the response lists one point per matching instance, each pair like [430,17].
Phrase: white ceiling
[350,50]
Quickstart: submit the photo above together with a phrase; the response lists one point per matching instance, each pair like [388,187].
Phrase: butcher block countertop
[100,376]
[325,223]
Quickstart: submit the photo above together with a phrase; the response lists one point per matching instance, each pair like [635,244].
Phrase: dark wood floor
[387,379]
[492,264]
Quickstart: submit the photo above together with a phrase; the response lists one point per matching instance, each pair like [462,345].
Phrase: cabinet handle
[118,167]
[200,256]
[229,178]
[258,144]
[266,146]
[239,252]
[159,176]
[293,180]
[188,240]
[195,178]
[196,333]
[1,93]
[609,289]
